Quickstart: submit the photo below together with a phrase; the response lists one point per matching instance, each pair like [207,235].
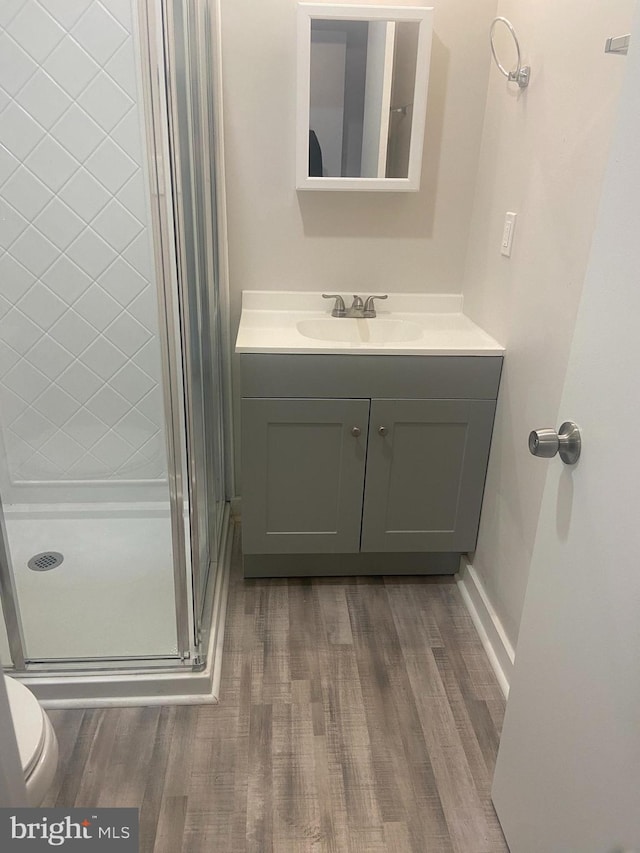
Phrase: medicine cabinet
[362,78]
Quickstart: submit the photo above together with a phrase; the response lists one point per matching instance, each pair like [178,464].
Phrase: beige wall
[346,242]
[543,155]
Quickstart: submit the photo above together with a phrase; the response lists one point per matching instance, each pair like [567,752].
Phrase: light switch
[507,234]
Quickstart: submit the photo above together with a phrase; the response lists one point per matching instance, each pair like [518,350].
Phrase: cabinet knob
[382,430]
[355,431]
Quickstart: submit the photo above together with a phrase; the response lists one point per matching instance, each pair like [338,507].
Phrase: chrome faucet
[358,309]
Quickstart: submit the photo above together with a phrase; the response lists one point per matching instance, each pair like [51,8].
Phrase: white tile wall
[79,356]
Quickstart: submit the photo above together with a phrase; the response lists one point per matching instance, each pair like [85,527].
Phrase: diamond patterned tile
[19,331]
[132,383]
[123,283]
[139,468]
[11,224]
[33,428]
[110,165]
[145,306]
[19,133]
[91,253]
[155,448]
[97,307]
[34,251]
[71,66]
[77,133]
[112,449]
[80,382]
[84,195]
[136,429]
[56,405]
[89,468]
[17,449]
[51,163]
[26,193]
[62,450]
[104,359]
[16,66]
[121,11]
[35,30]
[127,334]
[99,33]
[42,306]
[8,358]
[8,163]
[38,467]
[122,68]
[16,280]
[43,99]
[79,357]
[49,357]
[85,428]
[72,332]
[127,134]
[12,408]
[26,381]
[133,196]
[5,306]
[148,358]
[66,279]
[116,225]
[152,406]
[8,10]
[108,406]
[59,224]
[137,253]
[66,12]
[105,101]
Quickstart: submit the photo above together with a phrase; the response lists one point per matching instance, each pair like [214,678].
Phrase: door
[426,468]
[568,770]
[302,475]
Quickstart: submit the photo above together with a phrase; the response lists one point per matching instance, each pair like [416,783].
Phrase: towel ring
[520,74]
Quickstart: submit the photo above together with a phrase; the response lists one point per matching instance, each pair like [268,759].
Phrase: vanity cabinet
[348,460]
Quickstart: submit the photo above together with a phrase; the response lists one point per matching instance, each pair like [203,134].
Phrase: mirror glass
[361,97]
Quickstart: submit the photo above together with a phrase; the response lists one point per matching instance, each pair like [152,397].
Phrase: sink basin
[348,330]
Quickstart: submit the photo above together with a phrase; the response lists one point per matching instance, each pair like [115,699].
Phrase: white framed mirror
[363,74]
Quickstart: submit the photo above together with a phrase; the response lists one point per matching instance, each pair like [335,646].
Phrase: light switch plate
[507,234]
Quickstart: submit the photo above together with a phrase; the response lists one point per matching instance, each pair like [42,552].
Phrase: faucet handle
[339,309]
[369,307]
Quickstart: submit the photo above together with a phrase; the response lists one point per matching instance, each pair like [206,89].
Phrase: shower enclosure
[112,337]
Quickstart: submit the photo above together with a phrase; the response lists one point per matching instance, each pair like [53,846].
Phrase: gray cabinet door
[425,474]
[302,475]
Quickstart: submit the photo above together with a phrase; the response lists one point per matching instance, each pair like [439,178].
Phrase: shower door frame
[176,380]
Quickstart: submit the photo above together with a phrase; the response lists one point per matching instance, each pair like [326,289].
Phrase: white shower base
[112,597]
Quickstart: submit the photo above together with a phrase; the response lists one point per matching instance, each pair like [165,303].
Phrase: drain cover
[45,561]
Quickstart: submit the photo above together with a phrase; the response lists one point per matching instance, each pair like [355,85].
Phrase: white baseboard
[492,635]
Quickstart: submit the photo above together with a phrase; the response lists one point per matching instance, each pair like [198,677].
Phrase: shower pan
[113,343]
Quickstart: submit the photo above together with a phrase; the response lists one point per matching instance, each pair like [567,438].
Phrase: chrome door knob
[355,431]
[547,442]
[382,430]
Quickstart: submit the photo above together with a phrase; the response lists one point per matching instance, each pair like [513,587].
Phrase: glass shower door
[84,470]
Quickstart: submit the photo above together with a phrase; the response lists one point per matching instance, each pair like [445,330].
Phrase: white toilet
[37,742]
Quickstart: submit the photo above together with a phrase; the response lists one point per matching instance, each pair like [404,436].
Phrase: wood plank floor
[355,716]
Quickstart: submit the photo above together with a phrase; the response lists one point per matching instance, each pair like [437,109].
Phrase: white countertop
[432,323]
